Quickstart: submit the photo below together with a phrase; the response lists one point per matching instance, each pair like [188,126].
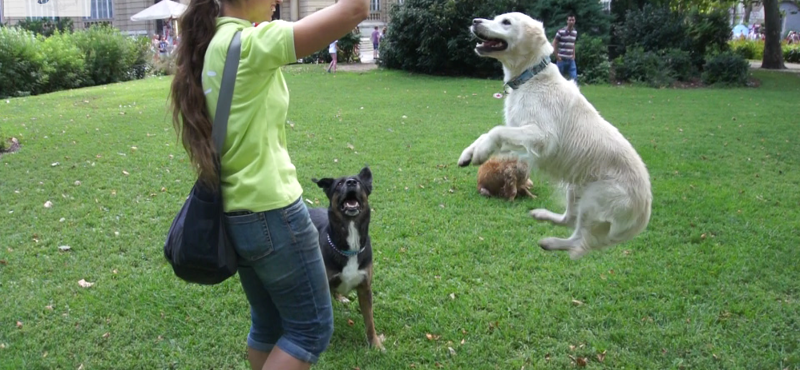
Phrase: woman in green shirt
[281,268]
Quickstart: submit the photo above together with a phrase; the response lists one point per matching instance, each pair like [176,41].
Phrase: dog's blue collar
[516,82]
[347,253]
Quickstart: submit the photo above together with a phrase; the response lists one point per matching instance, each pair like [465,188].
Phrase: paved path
[790,67]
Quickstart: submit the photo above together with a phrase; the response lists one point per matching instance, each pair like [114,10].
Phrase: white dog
[551,124]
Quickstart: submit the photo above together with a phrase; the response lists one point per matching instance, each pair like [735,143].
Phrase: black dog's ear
[325,184]
[366,178]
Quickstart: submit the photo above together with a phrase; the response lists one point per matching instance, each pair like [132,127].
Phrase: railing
[376,16]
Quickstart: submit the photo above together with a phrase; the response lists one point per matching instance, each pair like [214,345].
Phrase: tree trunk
[773,55]
[748,8]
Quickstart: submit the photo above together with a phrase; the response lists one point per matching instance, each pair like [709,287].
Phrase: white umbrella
[161,10]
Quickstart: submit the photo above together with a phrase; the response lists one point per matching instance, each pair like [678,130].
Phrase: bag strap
[220,127]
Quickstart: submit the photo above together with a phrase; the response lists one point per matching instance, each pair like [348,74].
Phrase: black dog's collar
[516,82]
[347,253]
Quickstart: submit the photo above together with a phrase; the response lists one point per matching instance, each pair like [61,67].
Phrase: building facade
[118,13]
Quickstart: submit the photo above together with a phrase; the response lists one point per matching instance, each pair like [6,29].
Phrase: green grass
[711,284]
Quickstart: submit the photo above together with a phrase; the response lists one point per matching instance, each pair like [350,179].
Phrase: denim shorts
[283,276]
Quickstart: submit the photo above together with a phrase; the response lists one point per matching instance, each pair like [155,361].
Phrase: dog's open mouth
[489,44]
[351,206]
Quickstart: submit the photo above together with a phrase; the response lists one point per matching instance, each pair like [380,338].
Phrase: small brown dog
[504,178]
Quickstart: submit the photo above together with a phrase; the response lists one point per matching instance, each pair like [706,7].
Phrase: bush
[46,26]
[591,58]
[706,32]
[679,63]
[65,65]
[110,56]
[22,65]
[791,53]
[727,69]
[647,67]
[652,28]
[748,49]
[32,64]
[138,55]
[432,36]
[346,52]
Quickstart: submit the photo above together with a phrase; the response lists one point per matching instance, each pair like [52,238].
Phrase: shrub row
[432,36]
[662,46]
[32,64]
[754,50]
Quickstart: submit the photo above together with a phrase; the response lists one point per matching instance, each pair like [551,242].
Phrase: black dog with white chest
[344,241]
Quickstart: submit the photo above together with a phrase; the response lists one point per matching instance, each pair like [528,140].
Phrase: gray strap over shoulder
[220,127]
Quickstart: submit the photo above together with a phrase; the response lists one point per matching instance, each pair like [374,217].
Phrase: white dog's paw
[466,156]
[551,244]
[342,299]
[483,151]
[542,214]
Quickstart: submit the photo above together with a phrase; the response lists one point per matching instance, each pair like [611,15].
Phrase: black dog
[344,240]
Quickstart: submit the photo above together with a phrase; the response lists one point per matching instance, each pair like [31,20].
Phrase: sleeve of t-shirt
[270,45]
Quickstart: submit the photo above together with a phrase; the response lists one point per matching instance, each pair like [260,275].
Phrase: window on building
[102,9]
[375,5]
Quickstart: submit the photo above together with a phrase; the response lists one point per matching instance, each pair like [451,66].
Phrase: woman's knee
[314,337]
[326,332]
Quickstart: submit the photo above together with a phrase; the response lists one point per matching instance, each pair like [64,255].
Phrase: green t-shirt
[257,173]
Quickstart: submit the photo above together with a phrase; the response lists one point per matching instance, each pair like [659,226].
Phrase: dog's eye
[506,22]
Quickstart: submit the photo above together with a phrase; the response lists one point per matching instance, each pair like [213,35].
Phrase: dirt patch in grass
[11,146]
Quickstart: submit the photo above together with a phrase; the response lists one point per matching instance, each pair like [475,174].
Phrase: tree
[773,54]
[432,36]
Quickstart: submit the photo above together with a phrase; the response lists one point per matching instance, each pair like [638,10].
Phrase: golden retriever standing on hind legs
[549,123]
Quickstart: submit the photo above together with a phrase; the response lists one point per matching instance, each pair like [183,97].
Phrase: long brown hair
[190,115]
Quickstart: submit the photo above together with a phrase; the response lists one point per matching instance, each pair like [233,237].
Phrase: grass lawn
[711,284]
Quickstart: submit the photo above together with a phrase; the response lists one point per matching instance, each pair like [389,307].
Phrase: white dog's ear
[540,42]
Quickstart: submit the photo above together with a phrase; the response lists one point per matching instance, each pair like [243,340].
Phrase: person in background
[333,50]
[376,39]
[564,46]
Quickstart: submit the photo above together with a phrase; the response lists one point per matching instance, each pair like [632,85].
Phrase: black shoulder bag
[197,244]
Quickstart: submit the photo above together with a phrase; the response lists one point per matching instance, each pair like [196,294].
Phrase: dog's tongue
[351,203]
[491,43]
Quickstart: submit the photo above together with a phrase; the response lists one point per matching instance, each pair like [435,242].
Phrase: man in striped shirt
[564,46]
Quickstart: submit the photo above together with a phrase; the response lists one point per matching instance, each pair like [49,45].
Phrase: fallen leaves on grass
[84,284]
[19,324]
[48,204]
[432,336]
[65,248]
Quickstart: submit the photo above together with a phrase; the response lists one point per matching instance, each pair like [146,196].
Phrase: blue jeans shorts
[283,276]
[567,68]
